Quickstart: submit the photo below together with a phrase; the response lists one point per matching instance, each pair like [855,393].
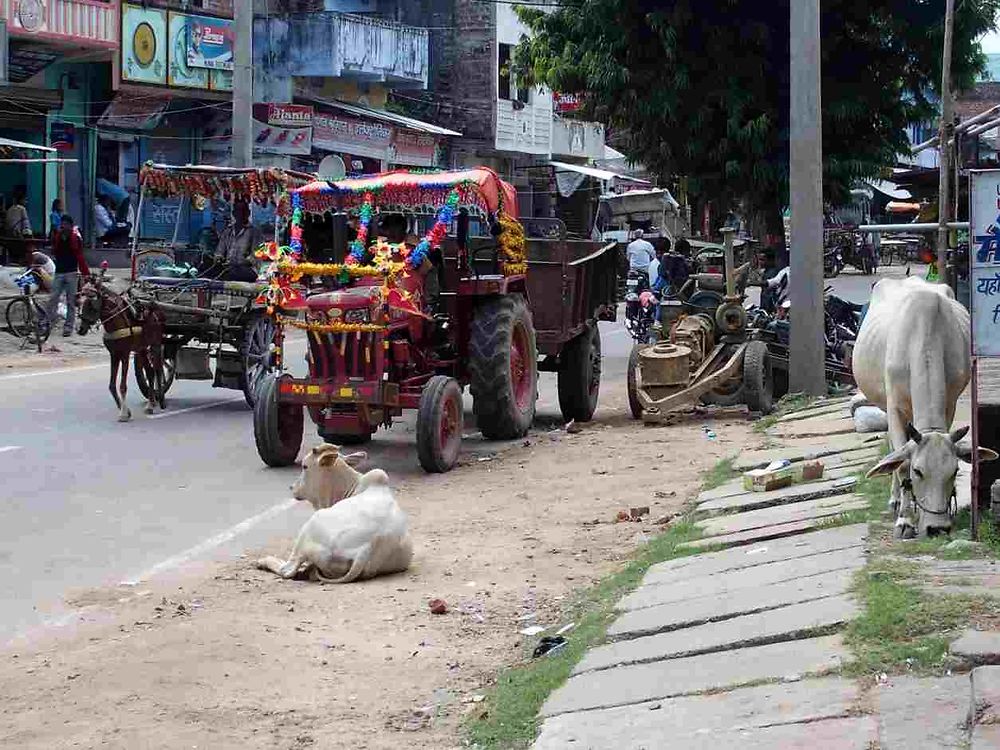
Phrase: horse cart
[207,318]
[406,323]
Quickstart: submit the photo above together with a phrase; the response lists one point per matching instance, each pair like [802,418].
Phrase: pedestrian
[55,217]
[67,249]
[640,252]
[18,223]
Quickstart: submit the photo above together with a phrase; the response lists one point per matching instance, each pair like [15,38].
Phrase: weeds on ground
[719,474]
[789,402]
[508,716]
[904,629]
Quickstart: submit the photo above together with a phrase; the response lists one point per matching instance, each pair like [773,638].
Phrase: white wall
[526,130]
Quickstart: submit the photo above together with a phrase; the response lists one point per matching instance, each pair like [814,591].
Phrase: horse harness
[128,331]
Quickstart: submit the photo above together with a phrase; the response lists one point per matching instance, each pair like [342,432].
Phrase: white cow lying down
[912,360]
[358,530]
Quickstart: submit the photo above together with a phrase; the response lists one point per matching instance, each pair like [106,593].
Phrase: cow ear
[328,458]
[891,462]
[353,459]
[964,453]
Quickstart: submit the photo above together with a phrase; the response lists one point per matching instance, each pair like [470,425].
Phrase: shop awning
[891,189]
[380,114]
[600,174]
[9,143]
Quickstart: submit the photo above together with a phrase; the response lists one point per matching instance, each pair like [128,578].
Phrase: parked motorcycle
[833,262]
[640,306]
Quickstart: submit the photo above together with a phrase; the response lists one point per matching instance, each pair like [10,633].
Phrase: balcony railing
[338,45]
[89,23]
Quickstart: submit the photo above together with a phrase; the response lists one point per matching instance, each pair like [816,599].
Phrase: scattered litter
[662,493]
[656,707]
[622,515]
[548,645]
[532,630]
[529,616]
[664,520]
[482,459]
[709,432]
[572,427]
[566,628]
[599,472]
[636,514]
[756,550]
[438,606]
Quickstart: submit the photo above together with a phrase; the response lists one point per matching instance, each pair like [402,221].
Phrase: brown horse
[128,327]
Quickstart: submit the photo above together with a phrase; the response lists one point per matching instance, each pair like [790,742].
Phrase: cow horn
[913,433]
[959,434]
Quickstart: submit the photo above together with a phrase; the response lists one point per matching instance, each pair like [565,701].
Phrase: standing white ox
[912,358]
[358,530]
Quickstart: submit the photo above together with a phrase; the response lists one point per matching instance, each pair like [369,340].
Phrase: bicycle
[26,318]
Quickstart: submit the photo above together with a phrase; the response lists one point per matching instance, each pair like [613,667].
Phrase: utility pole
[944,148]
[242,143]
[805,285]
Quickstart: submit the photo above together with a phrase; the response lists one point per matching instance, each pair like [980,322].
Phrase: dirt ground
[235,658]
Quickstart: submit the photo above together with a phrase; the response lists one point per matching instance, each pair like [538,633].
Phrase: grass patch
[508,716]
[901,628]
[789,402]
[719,474]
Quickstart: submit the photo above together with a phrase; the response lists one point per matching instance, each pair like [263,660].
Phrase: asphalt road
[91,502]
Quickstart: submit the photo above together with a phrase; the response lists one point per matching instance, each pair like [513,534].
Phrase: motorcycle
[833,262]
[844,312]
[640,307]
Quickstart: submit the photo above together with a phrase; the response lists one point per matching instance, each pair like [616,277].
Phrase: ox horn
[912,433]
[959,434]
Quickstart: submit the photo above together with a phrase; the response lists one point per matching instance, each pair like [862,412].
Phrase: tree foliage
[701,87]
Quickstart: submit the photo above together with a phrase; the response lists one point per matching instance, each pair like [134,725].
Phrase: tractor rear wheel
[579,380]
[439,424]
[758,380]
[277,428]
[503,367]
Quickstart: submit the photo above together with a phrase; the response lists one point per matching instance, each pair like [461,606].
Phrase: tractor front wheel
[758,379]
[632,382]
[277,428]
[503,367]
[439,424]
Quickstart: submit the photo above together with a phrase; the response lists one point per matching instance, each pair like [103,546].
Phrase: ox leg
[126,414]
[899,501]
[296,561]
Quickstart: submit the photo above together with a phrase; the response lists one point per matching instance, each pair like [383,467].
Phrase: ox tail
[384,554]
[358,565]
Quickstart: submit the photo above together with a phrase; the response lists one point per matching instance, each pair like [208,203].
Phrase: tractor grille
[346,355]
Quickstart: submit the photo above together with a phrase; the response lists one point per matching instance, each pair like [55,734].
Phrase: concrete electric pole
[242,143]
[944,147]
[807,350]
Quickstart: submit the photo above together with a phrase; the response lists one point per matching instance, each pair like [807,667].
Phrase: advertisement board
[280,128]
[342,133]
[179,72]
[413,149]
[144,45]
[62,136]
[209,43]
[984,259]
[220,80]
[563,102]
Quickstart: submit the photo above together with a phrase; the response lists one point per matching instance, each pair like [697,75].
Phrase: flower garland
[512,245]
[437,233]
[358,244]
[295,232]
[335,327]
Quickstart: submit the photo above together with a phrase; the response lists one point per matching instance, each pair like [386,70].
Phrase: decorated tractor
[409,319]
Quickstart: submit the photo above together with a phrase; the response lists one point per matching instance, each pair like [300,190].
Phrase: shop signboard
[62,136]
[984,258]
[344,134]
[413,149]
[209,43]
[221,80]
[280,128]
[563,102]
[144,45]
[127,112]
[179,72]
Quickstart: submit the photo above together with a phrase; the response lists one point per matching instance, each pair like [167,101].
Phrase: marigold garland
[335,327]
[512,246]
[296,271]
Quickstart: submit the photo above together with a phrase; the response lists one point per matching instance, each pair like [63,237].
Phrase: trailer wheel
[632,384]
[277,428]
[169,367]
[503,367]
[256,355]
[729,394]
[758,381]
[579,379]
[439,424]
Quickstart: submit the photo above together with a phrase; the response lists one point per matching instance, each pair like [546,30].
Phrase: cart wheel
[758,383]
[729,394]
[256,353]
[277,428]
[503,367]
[439,424]
[169,370]
[579,380]
[631,383]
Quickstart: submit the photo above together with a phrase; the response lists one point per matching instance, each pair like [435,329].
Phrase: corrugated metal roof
[379,114]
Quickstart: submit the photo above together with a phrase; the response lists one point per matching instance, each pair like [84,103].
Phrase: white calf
[358,530]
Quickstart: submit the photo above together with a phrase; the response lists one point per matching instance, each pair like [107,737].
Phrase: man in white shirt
[18,224]
[102,219]
[640,252]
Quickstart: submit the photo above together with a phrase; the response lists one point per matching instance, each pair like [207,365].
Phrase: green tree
[701,87]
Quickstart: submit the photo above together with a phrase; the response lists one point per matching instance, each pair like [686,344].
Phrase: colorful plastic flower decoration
[357,254]
[437,233]
[296,229]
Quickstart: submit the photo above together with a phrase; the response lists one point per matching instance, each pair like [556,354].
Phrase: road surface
[91,502]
